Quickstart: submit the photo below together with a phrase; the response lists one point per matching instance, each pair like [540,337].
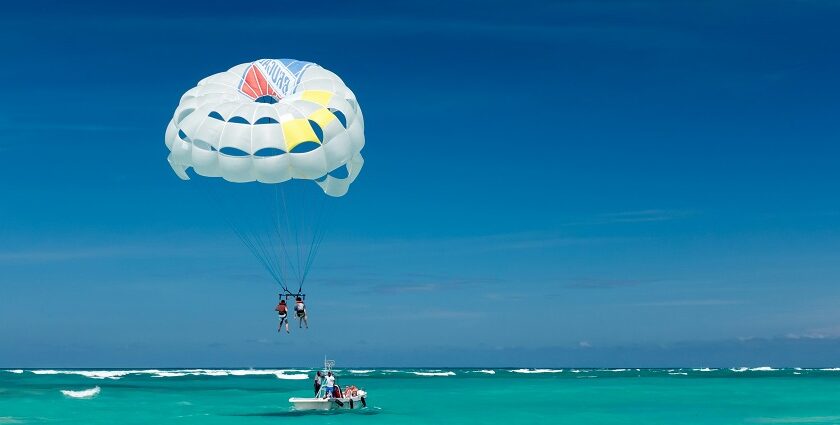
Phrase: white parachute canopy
[263,124]
[269,121]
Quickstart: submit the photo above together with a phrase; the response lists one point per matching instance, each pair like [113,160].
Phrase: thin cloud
[689,303]
[629,217]
[829,332]
[438,315]
[408,283]
[597,283]
[478,244]
[50,255]
[644,215]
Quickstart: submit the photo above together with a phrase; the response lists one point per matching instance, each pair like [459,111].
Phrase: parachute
[267,124]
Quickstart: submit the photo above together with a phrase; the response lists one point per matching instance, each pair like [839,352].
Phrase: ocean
[425,396]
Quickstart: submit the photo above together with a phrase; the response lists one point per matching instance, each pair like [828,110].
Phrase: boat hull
[313,403]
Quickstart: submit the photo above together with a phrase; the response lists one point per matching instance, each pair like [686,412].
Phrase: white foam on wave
[361,371]
[537,370]
[763,369]
[45,372]
[487,371]
[93,374]
[175,373]
[294,376]
[677,373]
[238,372]
[704,369]
[92,392]
[616,370]
[165,374]
[448,373]
[206,372]
[739,369]
[18,371]
[831,369]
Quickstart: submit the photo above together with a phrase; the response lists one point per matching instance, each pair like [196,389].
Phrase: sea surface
[426,396]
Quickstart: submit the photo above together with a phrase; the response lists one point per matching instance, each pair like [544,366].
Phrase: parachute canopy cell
[269,121]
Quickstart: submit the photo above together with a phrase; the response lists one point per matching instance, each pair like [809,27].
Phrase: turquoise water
[449,396]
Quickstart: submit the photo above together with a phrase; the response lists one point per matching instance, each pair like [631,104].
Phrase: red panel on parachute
[255,85]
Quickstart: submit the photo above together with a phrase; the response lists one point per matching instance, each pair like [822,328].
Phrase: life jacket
[282,309]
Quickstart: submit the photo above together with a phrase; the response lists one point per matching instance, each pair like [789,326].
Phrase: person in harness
[283,312]
[300,310]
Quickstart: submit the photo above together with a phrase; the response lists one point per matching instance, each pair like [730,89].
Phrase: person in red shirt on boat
[283,312]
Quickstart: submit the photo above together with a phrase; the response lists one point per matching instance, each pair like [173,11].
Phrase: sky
[568,183]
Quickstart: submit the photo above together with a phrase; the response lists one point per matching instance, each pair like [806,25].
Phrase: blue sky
[546,183]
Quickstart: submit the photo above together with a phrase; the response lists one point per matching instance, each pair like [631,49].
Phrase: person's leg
[306,320]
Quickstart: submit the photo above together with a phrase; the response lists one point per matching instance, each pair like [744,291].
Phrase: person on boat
[329,384]
[283,312]
[318,378]
[351,391]
[300,310]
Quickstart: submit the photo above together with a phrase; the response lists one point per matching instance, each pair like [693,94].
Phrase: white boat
[350,398]
[320,403]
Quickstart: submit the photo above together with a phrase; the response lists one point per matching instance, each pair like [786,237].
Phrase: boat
[348,397]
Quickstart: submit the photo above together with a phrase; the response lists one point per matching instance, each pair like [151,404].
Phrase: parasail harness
[286,294]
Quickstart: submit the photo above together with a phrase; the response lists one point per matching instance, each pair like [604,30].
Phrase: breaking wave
[93,374]
[294,376]
[448,373]
[175,373]
[537,370]
[302,374]
[92,392]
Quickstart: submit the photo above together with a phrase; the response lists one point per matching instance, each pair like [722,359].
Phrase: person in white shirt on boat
[329,384]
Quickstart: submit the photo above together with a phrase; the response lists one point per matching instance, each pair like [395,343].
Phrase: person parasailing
[300,310]
[283,312]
